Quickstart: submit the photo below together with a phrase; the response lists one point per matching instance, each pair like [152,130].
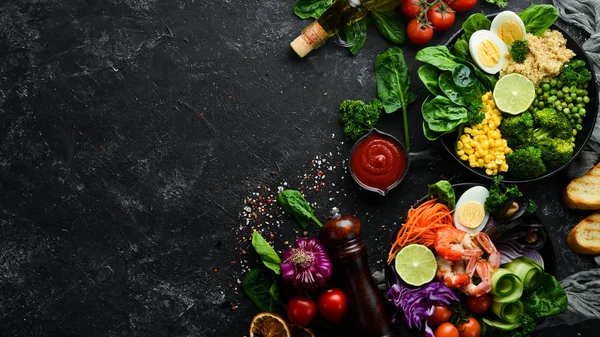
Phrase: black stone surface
[134,132]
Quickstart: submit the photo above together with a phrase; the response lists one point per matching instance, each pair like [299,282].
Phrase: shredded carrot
[421,225]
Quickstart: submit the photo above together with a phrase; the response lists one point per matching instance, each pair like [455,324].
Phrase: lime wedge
[514,93]
[416,264]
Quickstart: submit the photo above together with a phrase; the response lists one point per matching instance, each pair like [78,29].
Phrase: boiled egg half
[469,214]
[509,27]
[488,51]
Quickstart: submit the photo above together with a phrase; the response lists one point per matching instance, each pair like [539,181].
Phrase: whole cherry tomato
[479,304]
[446,330]
[332,304]
[301,310]
[441,16]
[470,328]
[410,8]
[418,33]
[462,5]
[441,314]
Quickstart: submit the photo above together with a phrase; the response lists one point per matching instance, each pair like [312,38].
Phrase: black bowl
[449,140]
[547,253]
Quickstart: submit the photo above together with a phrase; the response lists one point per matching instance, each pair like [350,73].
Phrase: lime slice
[514,93]
[416,264]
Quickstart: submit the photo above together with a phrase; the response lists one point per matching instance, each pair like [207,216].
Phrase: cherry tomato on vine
[470,328]
[462,5]
[410,8]
[440,16]
[418,33]
[441,314]
[446,330]
[301,310]
[332,304]
[479,304]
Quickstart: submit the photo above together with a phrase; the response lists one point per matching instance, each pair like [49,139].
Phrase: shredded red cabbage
[416,304]
[511,249]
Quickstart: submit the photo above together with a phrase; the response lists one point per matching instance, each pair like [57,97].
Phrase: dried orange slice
[267,324]
[298,331]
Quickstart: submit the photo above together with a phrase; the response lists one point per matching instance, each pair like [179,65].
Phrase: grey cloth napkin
[585,14]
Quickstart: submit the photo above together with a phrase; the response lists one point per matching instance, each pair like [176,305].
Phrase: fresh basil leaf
[356,34]
[393,79]
[463,76]
[474,23]
[461,49]
[389,25]
[311,8]
[257,284]
[294,203]
[438,56]
[538,18]
[444,192]
[429,75]
[548,300]
[267,254]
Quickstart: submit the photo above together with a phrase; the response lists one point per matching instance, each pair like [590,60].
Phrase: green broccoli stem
[405,121]
[540,134]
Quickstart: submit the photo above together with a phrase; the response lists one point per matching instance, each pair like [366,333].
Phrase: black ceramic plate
[547,253]
[449,140]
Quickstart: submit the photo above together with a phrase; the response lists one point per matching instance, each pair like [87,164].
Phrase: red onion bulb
[306,265]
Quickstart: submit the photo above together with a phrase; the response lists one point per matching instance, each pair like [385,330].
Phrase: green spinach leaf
[393,84]
[548,300]
[462,76]
[389,25]
[429,75]
[311,8]
[294,203]
[461,49]
[444,192]
[538,18]
[488,80]
[262,289]
[267,254]
[438,56]
[356,34]
[474,23]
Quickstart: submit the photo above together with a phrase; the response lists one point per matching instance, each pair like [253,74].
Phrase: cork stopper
[312,37]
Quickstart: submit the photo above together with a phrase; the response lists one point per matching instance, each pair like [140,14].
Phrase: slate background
[134,132]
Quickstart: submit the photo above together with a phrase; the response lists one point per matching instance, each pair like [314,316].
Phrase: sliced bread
[585,237]
[584,192]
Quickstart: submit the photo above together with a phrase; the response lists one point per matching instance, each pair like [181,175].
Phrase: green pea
[579,99]
[551,99]
[545,96]
[568,99]
[566,111]
[560,94]
[586,99]
[579,121]
[573,89]
[563,105]
[552,91]
[538,91]
[541,105]
[578,127]
[565,90]
[574,109]
[574,132]
[582,111]
[572,121]
[546,86]
[575,116]
[553,82]
[585,92]
[573,95]
[570,105]
[580,105]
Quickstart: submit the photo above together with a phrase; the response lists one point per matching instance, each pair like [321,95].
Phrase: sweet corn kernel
[459,145]
[460,153]
[464,157]
[473,163]
[504,167]
[487,158]
[470,151]
[488,172]
[480,162]
[472,158]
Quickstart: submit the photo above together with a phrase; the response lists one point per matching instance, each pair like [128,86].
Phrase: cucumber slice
[527,272]
[502,325]
[510,312]
[504,282]
[514,296]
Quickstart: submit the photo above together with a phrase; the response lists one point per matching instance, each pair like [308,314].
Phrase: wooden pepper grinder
[366,310]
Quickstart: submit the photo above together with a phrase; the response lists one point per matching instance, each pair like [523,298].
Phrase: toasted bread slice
[584,192]
[585,237]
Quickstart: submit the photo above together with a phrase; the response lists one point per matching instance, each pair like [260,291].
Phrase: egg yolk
[471,214]
[488,52]
[510,31]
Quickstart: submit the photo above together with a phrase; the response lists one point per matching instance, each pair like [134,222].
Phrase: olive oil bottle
[340,14]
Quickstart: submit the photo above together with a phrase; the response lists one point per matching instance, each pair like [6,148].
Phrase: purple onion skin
[306,265]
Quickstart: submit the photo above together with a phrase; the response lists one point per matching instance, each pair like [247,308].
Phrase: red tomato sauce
[378,161]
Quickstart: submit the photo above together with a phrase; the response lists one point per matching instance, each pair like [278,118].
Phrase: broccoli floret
[552,124]
[358,117]
[475,112]
[575,72]
[499,193]
[531,208]
[517,130]
[556,152]
[518,50]
[526,163]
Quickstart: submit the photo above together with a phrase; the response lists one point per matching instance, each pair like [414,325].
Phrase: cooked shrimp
[454,244]
[486,244]
[452,273]
[482,268]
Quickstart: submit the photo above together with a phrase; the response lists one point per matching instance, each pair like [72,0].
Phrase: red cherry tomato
[410,8]
[462,5]
[418,33]
[441,314]
[301,310]
[479,304]
[332,305]
[446,330]
[470,328]
[441,16]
